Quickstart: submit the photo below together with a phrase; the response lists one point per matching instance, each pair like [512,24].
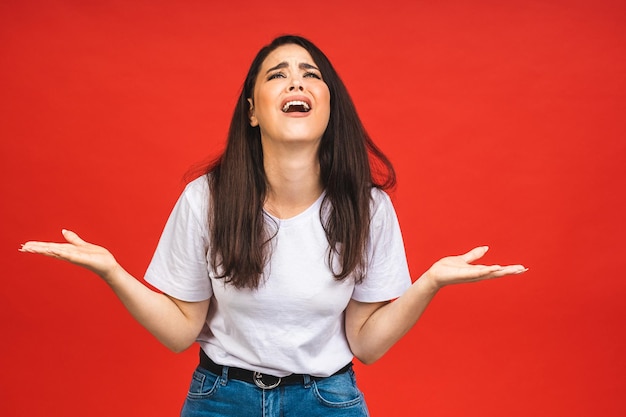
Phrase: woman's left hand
[459,269]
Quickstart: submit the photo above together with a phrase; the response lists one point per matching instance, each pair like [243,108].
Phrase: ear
[253,121]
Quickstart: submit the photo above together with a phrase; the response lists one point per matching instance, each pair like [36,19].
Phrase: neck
[294,180]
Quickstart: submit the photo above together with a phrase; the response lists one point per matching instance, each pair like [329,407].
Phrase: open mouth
[296,106]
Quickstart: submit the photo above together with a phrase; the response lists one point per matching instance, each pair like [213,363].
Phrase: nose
[296,84]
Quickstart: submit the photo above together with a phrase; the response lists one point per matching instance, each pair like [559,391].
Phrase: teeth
[304,104]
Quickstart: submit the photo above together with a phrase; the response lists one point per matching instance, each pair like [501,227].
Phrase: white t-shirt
[294,321]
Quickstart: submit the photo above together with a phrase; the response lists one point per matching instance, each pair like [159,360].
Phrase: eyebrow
[284,64]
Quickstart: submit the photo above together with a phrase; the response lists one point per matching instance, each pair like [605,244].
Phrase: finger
[66,252]
[481,272]
[511,270]
[73,238]
[487,266]
[43,248]
[475,254]
[34,247]
[504,271]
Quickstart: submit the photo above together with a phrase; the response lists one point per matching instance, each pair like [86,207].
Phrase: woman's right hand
[174,322]
[92,257]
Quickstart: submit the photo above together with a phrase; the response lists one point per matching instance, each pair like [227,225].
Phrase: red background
[505,121]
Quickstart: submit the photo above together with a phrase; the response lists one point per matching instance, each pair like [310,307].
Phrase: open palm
[460,269]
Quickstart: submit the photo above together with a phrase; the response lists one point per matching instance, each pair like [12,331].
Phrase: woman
[282,260]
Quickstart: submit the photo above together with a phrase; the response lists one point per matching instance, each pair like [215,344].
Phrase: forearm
[157,312]
[173,322]
[389,323]
[373,329]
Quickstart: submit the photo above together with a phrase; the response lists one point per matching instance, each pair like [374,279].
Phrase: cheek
[261,109]
[327,106]
[324,98]
[327,96]
[265,100]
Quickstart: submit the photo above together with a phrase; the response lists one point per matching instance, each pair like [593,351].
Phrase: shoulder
[379,195]
[193,201]
[196,192]
[197,187]
[382,211]
[380,201]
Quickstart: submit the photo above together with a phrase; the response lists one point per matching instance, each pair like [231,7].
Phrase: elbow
[367,357]
[179,342]
[178,349]
[365,360]
[178,346]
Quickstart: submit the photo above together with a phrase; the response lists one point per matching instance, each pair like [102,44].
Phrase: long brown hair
[350,165]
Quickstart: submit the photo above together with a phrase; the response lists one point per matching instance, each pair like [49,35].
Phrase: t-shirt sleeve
[387,276]
[179,265]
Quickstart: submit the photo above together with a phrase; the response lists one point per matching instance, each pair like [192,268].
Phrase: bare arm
[173,322]
[373,328]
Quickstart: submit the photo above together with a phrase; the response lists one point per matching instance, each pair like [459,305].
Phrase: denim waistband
[261,380]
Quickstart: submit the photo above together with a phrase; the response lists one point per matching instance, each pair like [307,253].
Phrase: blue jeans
[212,395]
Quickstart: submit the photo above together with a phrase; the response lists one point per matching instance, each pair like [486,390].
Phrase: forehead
[289,53]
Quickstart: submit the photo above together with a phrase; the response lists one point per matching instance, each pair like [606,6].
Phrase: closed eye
[312,75]
[276,75]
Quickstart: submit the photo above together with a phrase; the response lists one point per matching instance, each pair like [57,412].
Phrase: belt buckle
[258,381]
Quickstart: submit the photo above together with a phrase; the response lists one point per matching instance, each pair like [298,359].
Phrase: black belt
[263,381]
